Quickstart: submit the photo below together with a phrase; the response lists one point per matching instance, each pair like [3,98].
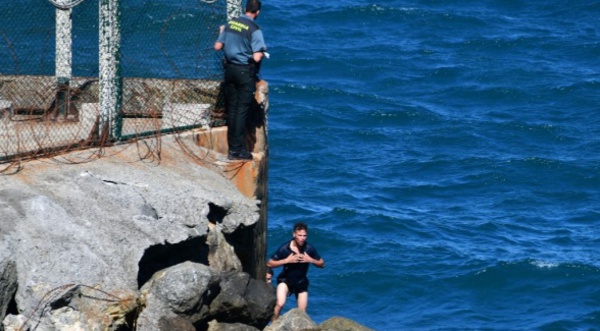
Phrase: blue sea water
[445,154]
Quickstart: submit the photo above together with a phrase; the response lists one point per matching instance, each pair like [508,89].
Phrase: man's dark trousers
[239,92]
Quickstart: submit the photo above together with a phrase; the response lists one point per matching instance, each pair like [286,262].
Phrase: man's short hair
[252,6]
[300,226]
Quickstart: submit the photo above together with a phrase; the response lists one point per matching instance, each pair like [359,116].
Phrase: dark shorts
[295,287]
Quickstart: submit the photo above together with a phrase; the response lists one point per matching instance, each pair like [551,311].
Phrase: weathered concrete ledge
[104,223]
[83,225]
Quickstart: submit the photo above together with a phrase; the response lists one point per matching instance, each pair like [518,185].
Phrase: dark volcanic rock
[243,299]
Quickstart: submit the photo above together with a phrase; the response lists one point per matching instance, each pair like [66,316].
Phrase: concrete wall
[28,126]
[250,177]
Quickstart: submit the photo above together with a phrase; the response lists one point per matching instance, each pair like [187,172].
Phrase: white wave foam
[544,264]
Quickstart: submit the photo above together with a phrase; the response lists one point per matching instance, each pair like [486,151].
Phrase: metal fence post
[234,9]
[111,82]
[63,58]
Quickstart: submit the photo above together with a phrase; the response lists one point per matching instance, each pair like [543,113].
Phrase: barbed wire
[44,304]
[10,47]
[33,126]
[60,5]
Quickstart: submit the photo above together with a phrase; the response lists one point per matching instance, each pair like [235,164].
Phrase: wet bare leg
[282,291]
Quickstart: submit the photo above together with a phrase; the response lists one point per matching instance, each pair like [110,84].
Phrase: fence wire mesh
[49,72]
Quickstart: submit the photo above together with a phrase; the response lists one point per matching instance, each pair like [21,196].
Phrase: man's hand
[306,258]
[298,258]
[294,258]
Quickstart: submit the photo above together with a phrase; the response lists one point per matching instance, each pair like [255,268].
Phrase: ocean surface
[445,154]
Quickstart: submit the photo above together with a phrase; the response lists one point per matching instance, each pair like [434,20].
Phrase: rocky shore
[125,243]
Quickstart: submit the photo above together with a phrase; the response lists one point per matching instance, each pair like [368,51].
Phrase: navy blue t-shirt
[294,272]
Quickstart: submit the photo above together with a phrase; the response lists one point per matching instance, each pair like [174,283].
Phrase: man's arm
[218,44]
[275,263]
[292,258]
[320,263]
[258,46]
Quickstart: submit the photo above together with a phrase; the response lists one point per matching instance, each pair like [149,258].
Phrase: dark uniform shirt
[241,38]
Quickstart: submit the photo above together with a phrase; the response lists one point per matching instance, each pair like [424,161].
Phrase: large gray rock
[184,290]
[293,320]
[298,320]
[107,225]
[221,255]
[261,298]
[341,324]
[184,287]
[216,326]
[230,301]
[200,294]
[243,299]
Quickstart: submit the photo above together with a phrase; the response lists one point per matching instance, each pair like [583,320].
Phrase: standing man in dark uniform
[244,46]
[295,256]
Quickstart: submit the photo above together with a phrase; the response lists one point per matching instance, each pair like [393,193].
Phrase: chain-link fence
[166,79]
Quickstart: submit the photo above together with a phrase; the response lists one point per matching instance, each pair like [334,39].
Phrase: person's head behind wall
[253,6]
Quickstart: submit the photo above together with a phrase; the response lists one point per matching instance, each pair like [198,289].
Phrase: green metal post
[63,58]
[111,82]
[234,9]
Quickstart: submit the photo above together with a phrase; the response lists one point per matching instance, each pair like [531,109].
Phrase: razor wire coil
[65,6]
[164,90]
